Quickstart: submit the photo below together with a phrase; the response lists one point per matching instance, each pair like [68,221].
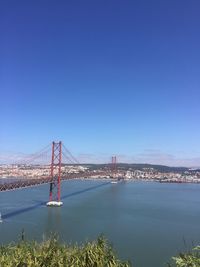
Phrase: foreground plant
[53,254]
[189,259]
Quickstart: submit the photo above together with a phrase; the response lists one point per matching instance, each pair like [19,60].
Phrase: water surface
[146,222]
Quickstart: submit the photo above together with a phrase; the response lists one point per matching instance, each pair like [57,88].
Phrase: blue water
[146,222]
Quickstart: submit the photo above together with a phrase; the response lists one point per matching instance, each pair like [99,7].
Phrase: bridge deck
[38,181]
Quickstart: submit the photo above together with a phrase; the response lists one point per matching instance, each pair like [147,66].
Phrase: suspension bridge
[55,172]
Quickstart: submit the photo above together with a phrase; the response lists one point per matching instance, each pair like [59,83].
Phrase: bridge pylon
[114,166]
[55,184]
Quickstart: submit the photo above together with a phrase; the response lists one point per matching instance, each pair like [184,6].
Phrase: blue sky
[105,77]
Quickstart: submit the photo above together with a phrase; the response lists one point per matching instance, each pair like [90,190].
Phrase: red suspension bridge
[55,171]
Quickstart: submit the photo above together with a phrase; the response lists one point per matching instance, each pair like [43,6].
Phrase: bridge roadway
[23,183]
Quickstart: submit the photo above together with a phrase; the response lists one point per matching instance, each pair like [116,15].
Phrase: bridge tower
[114,166]
[56,160]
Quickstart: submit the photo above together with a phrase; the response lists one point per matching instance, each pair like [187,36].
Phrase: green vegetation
[53,254]
[189,259]
[98,253]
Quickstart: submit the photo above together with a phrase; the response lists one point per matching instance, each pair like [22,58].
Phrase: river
[146,222]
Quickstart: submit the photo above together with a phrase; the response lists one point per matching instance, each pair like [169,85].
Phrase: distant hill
[139,166]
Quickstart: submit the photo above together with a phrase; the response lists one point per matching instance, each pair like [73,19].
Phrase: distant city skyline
[104,77]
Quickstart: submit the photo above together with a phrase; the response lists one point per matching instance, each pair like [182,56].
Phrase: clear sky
[104,76]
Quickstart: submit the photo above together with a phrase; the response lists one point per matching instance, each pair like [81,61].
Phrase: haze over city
[104,77]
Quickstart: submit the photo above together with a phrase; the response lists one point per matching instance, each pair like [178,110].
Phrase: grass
[188,259]
[51,253]
[99,253]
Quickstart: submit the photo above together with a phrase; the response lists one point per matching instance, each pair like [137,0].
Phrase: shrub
[51,253]
[189,259]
